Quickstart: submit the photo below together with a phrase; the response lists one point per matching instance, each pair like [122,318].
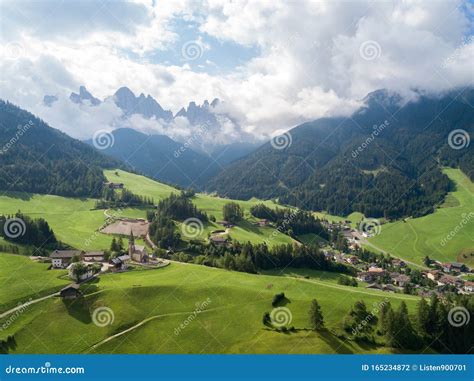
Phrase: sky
[275,64]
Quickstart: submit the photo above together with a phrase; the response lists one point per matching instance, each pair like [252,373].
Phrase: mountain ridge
[394,175]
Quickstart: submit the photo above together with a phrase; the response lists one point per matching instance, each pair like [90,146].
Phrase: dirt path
[24,305]
[187,313]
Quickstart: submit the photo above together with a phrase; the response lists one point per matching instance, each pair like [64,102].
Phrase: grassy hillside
[22,279]
[72,220]
[244,232]
[418,237]
[231,322]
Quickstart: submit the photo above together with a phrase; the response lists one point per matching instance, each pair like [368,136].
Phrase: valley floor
[183,308]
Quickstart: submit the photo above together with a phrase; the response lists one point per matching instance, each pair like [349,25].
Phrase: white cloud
[309,61]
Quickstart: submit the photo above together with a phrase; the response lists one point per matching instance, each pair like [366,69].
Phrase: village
[375,271]
[83,266]
[390,274]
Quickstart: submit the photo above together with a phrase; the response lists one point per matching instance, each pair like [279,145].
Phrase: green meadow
[22,279]
[446,235]
[154,312]
[212,205]
[74,221]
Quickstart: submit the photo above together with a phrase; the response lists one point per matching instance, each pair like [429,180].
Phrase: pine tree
[316,319]
[423,317]
[383,315]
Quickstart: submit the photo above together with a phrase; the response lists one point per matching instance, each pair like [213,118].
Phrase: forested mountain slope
[39,159]
[384,160]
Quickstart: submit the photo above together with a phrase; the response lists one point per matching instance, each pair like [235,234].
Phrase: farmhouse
[263,222]
[94,256]
[398,263]
[453,267]
[449,280]
[433,275]
[376,271]
[114,185]
[469,287]
[61,259]
[70,292]
[401,280]
[365,277]
[120,263]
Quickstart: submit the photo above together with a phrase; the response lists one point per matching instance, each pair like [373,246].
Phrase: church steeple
[131,244]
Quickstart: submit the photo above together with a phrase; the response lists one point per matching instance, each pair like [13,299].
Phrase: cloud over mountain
[274,64]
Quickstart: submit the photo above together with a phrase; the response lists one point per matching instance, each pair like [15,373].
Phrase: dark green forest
[36,158]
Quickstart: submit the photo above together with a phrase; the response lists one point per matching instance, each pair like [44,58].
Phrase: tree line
[21,229]
[251,258]
[124,198]
[290,221]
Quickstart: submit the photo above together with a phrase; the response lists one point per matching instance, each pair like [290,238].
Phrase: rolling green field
[210,204]
[73,220]
[428,235]
[21,279]
[243,232]
[164,300]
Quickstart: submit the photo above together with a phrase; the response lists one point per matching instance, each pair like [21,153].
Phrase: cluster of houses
[379,278]
[62,259]
[395,280]
[445,274]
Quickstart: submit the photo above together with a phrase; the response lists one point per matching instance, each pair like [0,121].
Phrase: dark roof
[65,253]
